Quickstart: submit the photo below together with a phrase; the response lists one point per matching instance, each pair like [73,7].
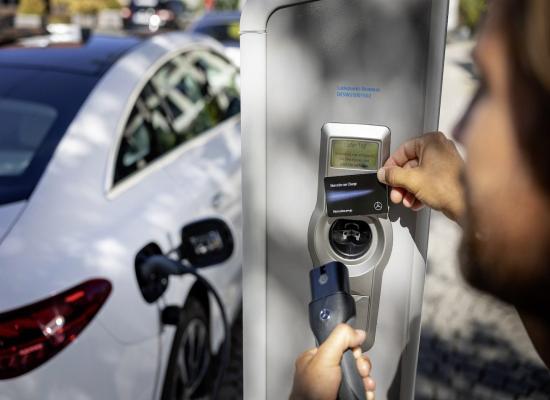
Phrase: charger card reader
[350,223]
[350,156]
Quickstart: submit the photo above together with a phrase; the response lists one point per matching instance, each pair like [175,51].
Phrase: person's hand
[318,374]
[426,171]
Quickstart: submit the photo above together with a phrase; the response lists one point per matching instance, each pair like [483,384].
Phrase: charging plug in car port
[350,239]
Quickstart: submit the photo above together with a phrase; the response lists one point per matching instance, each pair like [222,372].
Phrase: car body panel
[94,57]
[100,368]
[9,213]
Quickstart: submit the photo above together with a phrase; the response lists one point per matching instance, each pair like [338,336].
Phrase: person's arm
[318,374]
[426,171]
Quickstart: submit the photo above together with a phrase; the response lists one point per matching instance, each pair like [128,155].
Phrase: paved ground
[232,387]
[472,346]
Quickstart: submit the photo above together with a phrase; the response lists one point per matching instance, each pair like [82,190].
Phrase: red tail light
[165,15]
[31,335]
[125,12]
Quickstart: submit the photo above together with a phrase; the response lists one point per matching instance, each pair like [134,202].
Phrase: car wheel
[187,374]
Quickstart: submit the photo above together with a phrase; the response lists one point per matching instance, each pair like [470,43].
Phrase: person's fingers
[305,358]
[342,338]
[363,366]
[418,205]
[397,194]
[406,178]
[357,352]
[411,164]
[404,153]
[370,385]
[367,359]
[409,200]
[390,162]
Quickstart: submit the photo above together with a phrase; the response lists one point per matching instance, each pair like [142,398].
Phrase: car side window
[223,81]
[135,147]
[147,135]
[186,97]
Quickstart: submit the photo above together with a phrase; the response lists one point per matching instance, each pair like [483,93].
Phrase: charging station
[329,89]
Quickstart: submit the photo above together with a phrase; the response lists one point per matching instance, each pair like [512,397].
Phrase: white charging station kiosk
[359,70]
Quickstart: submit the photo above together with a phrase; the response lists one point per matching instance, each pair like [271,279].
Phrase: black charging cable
[160,266]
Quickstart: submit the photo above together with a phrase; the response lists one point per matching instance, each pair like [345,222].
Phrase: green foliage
[33,7]
[111,4]
[92,6]
[471,12]
[85,6]
[59,19]
[226,4]
[61,9]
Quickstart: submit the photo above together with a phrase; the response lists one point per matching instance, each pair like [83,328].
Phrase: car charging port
[350,239]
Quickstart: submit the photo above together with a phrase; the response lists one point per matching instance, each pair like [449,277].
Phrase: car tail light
[31,335]
[125,12]
[165,15]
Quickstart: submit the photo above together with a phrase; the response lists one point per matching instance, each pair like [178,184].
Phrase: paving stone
[517,387]
[425,389]
[539,396]
[444,393]
[482,392]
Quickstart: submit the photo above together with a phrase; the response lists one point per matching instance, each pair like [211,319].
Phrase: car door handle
[218,199]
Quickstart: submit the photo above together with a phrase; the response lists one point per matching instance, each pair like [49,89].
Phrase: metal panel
[253,120]
[356,61]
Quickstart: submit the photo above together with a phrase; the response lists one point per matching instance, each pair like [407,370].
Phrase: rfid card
[354,195]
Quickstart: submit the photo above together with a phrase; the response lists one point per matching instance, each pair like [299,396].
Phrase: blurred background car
[224,27]
[155,14]
[113,149]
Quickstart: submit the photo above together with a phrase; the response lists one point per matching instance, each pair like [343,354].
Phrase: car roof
[93,57]
[216,17]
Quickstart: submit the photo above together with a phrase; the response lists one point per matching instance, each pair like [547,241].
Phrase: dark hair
[526,28]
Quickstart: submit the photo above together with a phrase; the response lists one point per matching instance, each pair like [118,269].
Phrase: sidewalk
[472,346]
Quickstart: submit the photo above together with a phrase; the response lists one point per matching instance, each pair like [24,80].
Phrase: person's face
[506,244]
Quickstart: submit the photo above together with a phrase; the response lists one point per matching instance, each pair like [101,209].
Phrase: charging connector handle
[331,305]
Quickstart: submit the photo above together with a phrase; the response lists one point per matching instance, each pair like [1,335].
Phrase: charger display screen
[354,154]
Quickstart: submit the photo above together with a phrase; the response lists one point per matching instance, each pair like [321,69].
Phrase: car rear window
[36,108]
[24,127]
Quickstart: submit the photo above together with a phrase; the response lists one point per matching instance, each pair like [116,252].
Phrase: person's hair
[526,28]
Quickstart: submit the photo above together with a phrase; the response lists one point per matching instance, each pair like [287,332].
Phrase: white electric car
[113,150]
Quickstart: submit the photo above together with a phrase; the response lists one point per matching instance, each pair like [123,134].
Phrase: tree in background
[92,6]
[65,7]
[471,12]
[32,7]
[226,4]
